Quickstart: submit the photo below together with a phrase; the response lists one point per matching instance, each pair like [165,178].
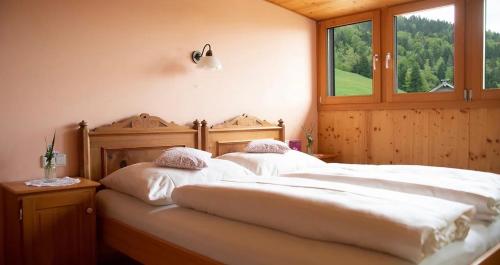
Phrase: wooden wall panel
[449,138]
[420,121]
[403,136]
[399,137]
[380,149]
[439,137]
[484,146]
[349,135]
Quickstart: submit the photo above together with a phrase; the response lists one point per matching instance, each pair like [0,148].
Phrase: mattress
[233,242]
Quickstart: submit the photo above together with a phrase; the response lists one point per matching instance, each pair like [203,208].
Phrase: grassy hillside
[351,84]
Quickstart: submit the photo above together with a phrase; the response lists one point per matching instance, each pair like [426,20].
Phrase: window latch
[375,60]
[468,95]
[387,59]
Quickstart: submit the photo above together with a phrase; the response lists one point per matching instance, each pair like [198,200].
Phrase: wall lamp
[209,61]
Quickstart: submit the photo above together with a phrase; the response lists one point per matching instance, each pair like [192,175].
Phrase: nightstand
[49,225]
[329,158]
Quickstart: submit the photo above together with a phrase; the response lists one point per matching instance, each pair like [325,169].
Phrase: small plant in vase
[308,132]
[50,163]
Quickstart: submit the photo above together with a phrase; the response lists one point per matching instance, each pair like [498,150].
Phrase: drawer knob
[90,210]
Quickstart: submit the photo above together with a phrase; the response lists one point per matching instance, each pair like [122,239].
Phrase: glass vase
[309,149]
[49,173]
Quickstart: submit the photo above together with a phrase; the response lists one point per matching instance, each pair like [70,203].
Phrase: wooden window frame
[458,54]
[475,42]
[323,26]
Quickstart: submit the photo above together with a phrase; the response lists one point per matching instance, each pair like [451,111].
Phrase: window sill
[412,105]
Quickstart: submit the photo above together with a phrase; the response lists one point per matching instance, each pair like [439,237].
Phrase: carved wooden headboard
[234,134]
[132,140]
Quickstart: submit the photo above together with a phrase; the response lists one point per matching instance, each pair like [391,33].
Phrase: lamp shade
[210,62]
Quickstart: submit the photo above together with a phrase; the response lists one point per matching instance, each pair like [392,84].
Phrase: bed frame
[141,138]
[132,140]
[234,134]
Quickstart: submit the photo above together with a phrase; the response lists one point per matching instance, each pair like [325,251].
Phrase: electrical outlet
[60,159]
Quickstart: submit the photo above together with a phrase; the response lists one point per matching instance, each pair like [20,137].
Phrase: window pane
[424,51]
[492,45]
[349,58]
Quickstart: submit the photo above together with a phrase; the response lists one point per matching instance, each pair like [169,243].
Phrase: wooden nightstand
[329,158]
[49,225]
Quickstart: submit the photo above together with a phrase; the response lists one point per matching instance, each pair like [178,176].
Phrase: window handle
[375,60]
[387,59]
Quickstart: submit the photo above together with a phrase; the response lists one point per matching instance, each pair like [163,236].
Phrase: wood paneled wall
[462,138]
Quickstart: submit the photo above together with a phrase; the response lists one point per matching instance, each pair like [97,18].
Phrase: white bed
[233,242]
[480,189]
[171,234]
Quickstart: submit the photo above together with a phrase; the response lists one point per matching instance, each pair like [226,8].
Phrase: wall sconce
[209,61]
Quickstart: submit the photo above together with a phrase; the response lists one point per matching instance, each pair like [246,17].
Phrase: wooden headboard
[132,140]
[234,134]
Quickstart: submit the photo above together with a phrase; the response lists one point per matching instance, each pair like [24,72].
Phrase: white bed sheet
[233,242]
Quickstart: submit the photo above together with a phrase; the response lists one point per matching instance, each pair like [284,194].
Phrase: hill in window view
[424,53]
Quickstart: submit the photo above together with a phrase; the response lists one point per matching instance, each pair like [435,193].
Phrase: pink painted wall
[103,60]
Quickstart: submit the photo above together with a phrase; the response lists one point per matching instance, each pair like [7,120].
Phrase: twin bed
[180,235]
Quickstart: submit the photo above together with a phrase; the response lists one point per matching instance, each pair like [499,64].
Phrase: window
[424,57]
[424,51]
[350,60]
[492,45]
[350,48]
[483,50]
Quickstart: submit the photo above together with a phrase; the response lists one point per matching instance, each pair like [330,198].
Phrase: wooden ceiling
[323,9]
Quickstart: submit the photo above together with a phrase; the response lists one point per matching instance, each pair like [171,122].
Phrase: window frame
[458,54]
[323,26]
[475,42]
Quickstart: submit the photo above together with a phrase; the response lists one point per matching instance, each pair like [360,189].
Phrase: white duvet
[405,225]
[480,189]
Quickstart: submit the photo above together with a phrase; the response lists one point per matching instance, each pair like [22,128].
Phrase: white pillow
[267,146]
[154,185]
[269,164]
[183,157]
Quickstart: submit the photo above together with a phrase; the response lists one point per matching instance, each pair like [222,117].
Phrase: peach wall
[64,61]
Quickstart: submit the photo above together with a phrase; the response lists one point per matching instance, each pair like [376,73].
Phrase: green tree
[415,80]
[364,67]
[402,69]
[441,69]
[430,80]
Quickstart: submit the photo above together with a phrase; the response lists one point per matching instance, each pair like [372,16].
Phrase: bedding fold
[404,225]
[480,189]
